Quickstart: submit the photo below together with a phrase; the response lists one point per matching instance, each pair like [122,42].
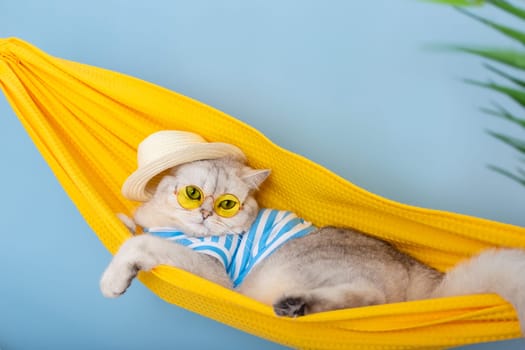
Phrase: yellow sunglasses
[192,197]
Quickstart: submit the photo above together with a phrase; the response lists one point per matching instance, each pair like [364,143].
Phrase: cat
[318,269]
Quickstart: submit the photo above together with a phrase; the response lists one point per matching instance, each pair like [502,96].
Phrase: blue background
[348,84]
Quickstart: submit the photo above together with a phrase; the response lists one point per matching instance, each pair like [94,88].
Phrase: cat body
[325,269]
[335,268]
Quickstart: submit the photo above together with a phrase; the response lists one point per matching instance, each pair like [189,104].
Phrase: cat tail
[500,271]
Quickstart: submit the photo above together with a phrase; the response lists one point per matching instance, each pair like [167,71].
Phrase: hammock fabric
[87,123]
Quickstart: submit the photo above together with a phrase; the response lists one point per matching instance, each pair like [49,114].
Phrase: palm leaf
[513,58]
[505,75]
[503,113]
[518,178]
[508,7]
[509,140]
[510,57]
[458,2]
[508,31]
[514,94]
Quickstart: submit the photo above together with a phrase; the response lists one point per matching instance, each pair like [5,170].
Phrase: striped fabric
[239,253]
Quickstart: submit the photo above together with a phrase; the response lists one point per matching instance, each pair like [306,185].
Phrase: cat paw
[290,307]
[115,281]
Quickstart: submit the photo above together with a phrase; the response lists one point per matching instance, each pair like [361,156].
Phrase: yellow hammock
[87,123]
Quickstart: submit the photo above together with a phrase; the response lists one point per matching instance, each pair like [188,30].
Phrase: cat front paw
[116,280]
[290,307]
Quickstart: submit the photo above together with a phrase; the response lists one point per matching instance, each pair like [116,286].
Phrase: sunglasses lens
[190,197]
[227,205]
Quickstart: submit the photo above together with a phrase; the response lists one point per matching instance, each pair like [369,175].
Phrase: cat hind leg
[342,296]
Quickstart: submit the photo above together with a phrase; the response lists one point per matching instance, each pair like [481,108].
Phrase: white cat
[202,217]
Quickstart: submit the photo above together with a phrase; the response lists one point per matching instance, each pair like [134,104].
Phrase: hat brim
[136,185]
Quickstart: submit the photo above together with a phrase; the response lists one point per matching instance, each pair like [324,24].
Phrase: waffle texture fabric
[87,123]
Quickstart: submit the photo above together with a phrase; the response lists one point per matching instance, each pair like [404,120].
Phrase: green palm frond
[509,77]
[509,57]
[516,143]
[513,59]
[508,8]
[505,114]
[458,2]
[518,95]
[519,178]
[505,30]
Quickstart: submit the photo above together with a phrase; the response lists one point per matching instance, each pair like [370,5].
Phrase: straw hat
[168,148]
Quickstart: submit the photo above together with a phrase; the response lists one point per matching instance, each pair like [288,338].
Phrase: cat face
[205,198]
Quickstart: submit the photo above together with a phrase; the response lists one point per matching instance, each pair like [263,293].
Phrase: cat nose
[206,213]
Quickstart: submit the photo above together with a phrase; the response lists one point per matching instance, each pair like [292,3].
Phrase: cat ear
[254,177]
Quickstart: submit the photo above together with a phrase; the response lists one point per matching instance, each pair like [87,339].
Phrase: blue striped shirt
[239,253]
